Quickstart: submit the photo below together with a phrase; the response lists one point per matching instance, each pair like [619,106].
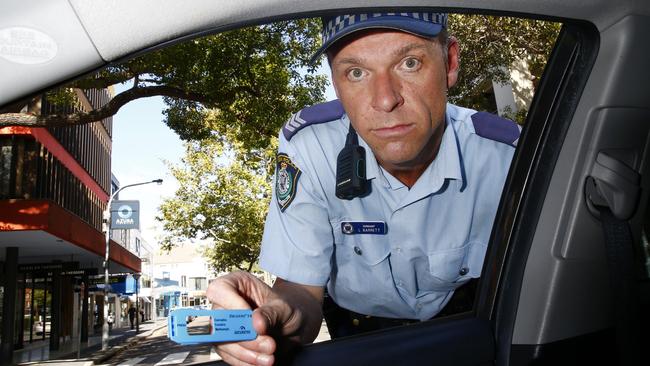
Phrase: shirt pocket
[361,269]
[447,270]
[364,249]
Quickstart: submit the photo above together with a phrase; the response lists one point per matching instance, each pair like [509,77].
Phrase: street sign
[123,284]
[125,215]
[126,285]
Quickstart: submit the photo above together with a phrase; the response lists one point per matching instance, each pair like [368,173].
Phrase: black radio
[351,179]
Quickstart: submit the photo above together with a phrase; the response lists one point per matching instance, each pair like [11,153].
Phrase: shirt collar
[446,165]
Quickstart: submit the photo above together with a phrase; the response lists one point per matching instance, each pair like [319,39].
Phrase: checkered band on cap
[338,24]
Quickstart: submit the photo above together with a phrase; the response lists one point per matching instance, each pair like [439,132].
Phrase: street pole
[82,289]
[137,303]
[107,229]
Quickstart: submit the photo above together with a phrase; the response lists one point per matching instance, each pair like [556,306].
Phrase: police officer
[390,235]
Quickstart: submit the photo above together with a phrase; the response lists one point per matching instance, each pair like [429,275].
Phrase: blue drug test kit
[224,326]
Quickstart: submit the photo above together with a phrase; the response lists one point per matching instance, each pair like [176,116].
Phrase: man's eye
[411,63]
[355,74]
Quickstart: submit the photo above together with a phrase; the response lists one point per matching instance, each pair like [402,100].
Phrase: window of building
[199,283]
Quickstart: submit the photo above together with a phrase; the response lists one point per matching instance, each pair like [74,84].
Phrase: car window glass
[227,97]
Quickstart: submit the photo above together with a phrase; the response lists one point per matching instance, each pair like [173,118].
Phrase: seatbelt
[619,248]
[612,193]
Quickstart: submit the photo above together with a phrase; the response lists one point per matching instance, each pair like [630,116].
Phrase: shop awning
[168,290]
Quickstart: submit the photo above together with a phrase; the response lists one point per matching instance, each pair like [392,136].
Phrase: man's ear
[453,61]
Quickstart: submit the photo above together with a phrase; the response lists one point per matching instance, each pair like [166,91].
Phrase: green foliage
[249,76]
[221,199]
[519,116]
[62,97]
[247,80]
[237,90]
[489,45]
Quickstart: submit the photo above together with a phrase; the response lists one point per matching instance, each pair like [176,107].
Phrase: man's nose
[386,92]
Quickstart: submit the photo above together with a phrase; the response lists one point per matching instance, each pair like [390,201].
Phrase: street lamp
[107,228]
[137,303]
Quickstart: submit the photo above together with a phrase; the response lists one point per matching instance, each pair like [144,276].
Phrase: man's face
[393,87]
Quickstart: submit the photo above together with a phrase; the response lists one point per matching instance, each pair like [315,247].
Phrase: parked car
[554,290]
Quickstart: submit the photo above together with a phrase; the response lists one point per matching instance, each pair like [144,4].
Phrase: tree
[249,79]
[490,45]
[222,198]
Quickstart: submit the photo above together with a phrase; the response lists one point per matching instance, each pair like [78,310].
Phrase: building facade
[133,241]
[54,186]
[181,278]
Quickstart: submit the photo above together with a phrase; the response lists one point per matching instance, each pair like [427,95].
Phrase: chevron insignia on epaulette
[319,113]
[495,128]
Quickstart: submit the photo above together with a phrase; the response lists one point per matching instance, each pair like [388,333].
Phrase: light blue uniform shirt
[436,232]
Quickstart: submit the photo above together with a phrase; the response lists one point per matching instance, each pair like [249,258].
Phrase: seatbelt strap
[619,248]
[612,191]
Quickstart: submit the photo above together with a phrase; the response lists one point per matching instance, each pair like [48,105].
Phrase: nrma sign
[125,215]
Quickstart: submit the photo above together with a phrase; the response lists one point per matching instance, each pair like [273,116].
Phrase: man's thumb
[265,319]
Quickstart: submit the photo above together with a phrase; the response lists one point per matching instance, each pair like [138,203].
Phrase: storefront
[48,303]
[44,303]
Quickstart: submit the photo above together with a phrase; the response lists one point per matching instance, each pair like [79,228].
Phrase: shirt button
[398,250]
[418,306]
[463,271]
[358,250]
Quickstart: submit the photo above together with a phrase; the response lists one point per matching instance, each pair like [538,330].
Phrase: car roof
[86,35]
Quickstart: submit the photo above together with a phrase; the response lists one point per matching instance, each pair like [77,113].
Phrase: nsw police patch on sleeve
[286,180]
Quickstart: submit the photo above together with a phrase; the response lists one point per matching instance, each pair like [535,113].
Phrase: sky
[142,143]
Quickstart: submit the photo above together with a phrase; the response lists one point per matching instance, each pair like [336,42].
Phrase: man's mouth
[394,131]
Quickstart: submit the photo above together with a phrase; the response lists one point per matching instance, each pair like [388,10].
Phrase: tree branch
[104,80]
[32,120]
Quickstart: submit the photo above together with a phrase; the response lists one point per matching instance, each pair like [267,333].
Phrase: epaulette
[319,113]
[495,128]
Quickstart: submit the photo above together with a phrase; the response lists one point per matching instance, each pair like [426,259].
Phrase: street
[157,349]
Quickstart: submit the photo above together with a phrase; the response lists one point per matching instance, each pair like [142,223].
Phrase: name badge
[363,227]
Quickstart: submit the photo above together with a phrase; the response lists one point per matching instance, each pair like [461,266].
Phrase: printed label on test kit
[210,326]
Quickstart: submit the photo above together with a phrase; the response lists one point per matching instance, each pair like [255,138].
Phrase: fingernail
[264,360]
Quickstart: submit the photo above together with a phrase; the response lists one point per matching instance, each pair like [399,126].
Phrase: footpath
[91,353]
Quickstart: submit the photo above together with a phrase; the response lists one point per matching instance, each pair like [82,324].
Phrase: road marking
[173,359]
[214,356]
[132,361]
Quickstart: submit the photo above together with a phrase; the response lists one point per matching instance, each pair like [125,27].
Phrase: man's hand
[284,316]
